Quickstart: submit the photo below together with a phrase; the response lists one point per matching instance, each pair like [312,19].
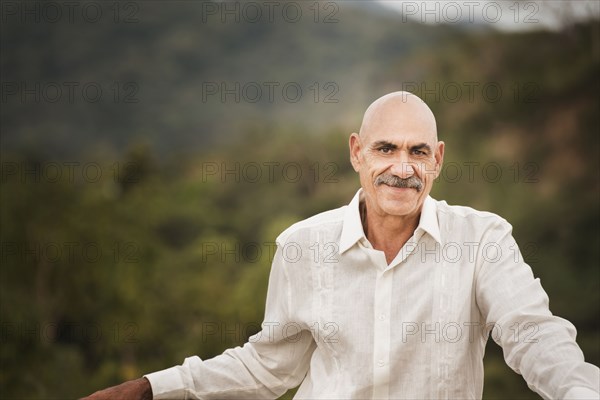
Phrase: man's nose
[402,167]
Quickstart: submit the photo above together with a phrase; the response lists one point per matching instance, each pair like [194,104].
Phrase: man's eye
[419,153]
[385,150]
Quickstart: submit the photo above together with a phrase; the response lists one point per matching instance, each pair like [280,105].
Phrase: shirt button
[380,363]
[382,317]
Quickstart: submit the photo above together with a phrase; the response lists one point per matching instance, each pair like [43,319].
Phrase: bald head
[399,110]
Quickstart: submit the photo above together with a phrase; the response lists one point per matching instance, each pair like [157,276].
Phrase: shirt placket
[381,323]
[381,353]
[382,310]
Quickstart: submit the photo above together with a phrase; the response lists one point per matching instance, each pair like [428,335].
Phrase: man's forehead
[399,116]
[400,132]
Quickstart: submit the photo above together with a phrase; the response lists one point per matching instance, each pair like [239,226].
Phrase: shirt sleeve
[273,361]
[536,344]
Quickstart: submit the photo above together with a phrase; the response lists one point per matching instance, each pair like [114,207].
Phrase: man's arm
[536,344]
[138,389]
[274,360]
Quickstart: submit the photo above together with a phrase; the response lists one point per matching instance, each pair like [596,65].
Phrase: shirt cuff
[581,393]
[167,384]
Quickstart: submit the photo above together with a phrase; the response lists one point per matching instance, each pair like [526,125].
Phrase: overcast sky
[501,14]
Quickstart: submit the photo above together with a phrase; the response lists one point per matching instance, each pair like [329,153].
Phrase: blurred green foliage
[135,287]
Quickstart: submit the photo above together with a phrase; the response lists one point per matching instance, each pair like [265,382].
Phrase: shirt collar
[352,230]
[429,220]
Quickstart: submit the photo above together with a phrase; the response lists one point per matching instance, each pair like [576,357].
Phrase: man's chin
[397,201]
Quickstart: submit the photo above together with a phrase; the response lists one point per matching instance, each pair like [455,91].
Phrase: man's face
[397,156]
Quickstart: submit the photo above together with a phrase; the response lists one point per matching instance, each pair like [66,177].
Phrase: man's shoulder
[327,223]
[463,211]
[457,215]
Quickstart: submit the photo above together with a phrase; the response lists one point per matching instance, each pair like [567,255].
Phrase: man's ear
[439,157]
[354,143]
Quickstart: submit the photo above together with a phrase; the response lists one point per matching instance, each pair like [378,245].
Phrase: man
[390,297]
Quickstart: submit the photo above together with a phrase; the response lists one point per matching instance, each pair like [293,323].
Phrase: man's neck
[388,233]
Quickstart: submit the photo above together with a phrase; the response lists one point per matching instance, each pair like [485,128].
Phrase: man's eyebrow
[384,143]
[421,146]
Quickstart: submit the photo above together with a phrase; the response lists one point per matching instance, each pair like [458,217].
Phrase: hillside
[161,76]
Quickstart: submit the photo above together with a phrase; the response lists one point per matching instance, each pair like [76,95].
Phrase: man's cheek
[429,170]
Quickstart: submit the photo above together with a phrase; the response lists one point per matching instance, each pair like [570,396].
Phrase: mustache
[395,181]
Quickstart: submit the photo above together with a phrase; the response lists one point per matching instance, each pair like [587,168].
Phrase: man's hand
[138,389]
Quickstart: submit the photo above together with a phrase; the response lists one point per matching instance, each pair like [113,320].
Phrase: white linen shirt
[344,324]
